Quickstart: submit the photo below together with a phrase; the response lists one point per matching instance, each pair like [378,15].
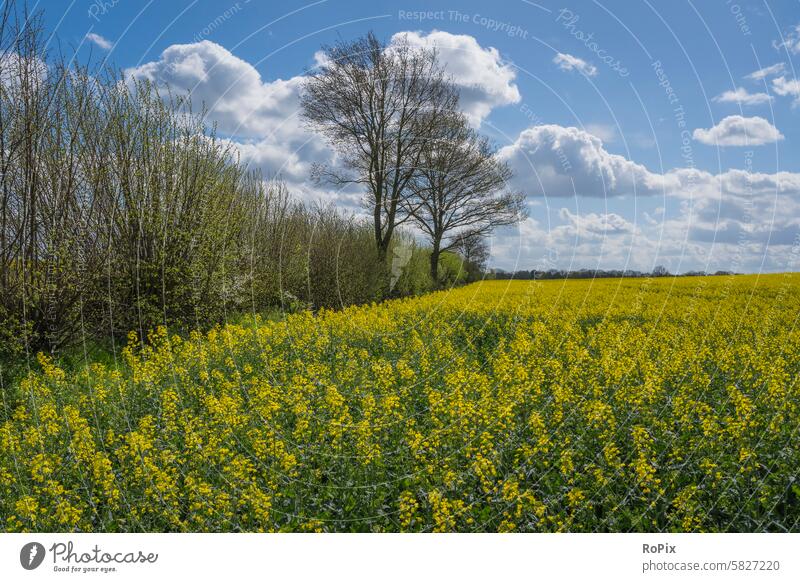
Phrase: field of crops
[614,405]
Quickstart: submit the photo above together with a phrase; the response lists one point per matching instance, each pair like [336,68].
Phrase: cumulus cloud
[760,74]
[743,97]
[551,160]
[567,62]
[236,96]
[13,67]
[708,233]
[748,210]
[736,130]
[103,43]
[560,162]
[787,88]
[595,225]
[653,218]
[485,81]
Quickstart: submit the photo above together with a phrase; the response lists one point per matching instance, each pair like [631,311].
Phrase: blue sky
[633,126]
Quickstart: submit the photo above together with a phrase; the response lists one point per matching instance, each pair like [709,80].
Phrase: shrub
[452,270]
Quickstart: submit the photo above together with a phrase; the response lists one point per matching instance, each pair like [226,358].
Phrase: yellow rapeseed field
[614,405]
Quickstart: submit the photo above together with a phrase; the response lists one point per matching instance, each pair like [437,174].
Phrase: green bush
[451,270]
[408,267]
[344,267]
[13,333]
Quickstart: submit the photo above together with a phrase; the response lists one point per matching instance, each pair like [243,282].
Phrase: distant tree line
[121,210]
[595,274]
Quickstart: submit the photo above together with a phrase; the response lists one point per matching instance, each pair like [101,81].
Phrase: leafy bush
[452,270]
[409,268]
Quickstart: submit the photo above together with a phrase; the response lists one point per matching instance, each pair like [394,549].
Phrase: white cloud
[485,81]
[236,96]
[548,160]
[736,130]
[594,225]
[787,88]
[704,234]
[653,219]
[567,62]
[766,72]
[743,97]
[608,133]
[791,42]
[551,160]
[103,43]
[13,67]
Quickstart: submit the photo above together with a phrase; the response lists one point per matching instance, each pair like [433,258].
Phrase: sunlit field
[615,405]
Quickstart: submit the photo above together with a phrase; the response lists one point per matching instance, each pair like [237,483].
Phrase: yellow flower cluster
[613,405]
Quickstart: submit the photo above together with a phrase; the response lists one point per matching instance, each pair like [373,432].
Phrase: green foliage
[344,267]
[12,350]
[409,264]
[415,277]
[451,270]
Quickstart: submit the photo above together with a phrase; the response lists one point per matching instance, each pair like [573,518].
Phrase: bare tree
[472,247]
[377,105]
[459,188]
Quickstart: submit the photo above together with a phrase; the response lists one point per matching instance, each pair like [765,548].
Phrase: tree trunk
[435,263]
[376,218]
